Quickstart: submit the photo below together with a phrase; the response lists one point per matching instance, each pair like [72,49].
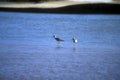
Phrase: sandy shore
[49,4]
[53,4]
[62,7]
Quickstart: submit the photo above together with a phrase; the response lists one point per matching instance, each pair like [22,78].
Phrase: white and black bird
[58,39]
[74,40]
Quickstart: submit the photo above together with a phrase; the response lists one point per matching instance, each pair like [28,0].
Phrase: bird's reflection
[58,47]
[74,49]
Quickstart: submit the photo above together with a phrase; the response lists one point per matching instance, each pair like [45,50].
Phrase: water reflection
[74,49]
[58,47]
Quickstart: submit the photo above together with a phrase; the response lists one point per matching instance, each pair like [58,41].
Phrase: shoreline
[70,8]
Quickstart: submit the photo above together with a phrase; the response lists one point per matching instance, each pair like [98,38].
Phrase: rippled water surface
[28,50]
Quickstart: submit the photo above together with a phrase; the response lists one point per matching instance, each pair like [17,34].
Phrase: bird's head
[54,36]
[73,38]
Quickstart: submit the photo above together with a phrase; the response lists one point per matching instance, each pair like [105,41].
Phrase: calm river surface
[28,50]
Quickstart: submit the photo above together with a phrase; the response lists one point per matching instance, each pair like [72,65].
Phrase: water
[28,50]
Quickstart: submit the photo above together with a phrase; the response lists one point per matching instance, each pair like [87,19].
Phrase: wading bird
[74,40]
[57,39]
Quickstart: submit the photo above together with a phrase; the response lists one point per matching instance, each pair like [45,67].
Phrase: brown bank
[64,7]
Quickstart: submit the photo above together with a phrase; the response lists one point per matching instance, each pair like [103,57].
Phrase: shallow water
[28,50]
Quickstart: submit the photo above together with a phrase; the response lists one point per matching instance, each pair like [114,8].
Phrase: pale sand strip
[50,4]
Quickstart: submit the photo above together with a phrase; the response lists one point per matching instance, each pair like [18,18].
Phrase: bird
[74,40]
[58,39]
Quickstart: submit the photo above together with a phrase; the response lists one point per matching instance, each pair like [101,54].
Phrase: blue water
[28,50]
[91,30]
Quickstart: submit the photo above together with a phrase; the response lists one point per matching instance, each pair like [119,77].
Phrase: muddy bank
[89,8]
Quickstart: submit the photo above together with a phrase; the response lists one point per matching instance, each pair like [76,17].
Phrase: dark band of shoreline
[95,8]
